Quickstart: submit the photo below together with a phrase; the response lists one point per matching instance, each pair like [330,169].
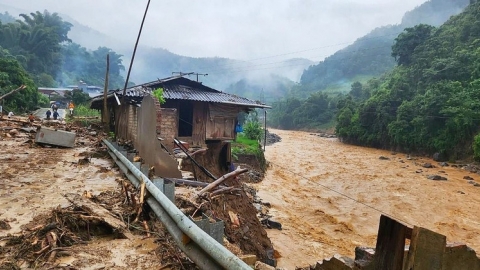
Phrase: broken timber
[209,174]
[103,214]
[221,180]
[13,91]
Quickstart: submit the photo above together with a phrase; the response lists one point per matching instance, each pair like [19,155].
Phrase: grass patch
[245,146]
[83,111]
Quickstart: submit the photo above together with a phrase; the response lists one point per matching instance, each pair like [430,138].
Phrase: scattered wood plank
[100,212]
[220,180]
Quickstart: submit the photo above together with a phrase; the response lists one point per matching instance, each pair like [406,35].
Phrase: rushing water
[329,197]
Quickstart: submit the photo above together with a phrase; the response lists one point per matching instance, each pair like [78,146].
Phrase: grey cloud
[236,29]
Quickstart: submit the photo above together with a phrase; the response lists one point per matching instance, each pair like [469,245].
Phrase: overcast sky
[240,29]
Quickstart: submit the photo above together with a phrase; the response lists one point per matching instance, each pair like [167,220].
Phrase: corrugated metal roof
[174,88]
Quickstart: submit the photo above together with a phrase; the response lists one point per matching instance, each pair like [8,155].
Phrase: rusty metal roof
[185,89]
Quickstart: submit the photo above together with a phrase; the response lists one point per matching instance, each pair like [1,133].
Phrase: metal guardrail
[202,249]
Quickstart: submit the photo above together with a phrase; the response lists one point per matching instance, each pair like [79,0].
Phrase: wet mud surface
[329,196]
[33,180]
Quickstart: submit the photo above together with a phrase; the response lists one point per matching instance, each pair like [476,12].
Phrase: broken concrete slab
[336,262]
[55,137]
[460,257]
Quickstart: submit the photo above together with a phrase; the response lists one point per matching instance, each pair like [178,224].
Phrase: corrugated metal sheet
[186,93]
[184,89]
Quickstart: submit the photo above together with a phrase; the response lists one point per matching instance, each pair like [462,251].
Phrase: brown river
[329,197]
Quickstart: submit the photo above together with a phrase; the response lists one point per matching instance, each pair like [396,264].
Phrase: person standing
[71,107]
[31,118]
[55,115]
[48,114]
[10,114]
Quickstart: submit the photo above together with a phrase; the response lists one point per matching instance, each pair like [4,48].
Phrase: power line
[342,194]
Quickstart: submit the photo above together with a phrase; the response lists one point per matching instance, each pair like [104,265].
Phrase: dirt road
[318,222]
[41,113]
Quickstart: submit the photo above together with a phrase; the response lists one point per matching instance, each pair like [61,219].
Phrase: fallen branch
[220,180]
[140,203]
[95,210]
[225,190]
[13,91]
[191,183]
[145,226]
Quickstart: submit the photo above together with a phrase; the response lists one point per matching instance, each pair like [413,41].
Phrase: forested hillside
[430,102]
[35,50]
[370,55]
[350,70]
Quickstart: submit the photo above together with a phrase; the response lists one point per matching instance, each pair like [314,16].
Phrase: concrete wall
[147,143]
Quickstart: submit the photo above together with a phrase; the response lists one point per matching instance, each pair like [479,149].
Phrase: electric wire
[342,194]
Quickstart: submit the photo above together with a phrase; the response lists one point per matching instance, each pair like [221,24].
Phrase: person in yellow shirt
[71,107]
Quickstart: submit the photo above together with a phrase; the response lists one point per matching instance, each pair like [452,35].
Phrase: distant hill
[153,63]
[371,55]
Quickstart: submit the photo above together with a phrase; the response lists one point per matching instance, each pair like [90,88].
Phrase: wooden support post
[390,247]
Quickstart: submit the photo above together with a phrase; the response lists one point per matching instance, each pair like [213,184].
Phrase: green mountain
[430,102]
[370,55]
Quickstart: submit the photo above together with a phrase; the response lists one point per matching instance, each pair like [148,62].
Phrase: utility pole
[105,115]
[134,51]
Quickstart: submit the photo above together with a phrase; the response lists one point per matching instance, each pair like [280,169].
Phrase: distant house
[194,113]
[52,93]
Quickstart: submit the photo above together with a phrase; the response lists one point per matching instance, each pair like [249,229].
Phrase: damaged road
[41,226]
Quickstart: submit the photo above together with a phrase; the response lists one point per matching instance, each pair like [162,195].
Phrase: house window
[185,121]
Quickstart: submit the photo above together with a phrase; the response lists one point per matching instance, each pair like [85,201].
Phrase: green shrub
[158,93]
[476,147]
[252,130]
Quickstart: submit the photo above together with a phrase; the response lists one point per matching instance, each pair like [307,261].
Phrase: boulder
[437,177]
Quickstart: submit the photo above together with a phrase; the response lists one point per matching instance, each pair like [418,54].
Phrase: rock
[471,168]
[13,132]
[428,165]
[258,207]
[461,192]
[439,157]
[476,185]
[418,171]
[472,182]
[401,161]
[437,177]
[467,177]
[263,266]
[93,133]
[383,158]
[443,164]
[271,224]
[248,259]
[441,171]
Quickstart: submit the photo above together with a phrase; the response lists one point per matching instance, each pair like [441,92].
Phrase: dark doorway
[185,114]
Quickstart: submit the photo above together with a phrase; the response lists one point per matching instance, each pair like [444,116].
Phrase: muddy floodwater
[329,197]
